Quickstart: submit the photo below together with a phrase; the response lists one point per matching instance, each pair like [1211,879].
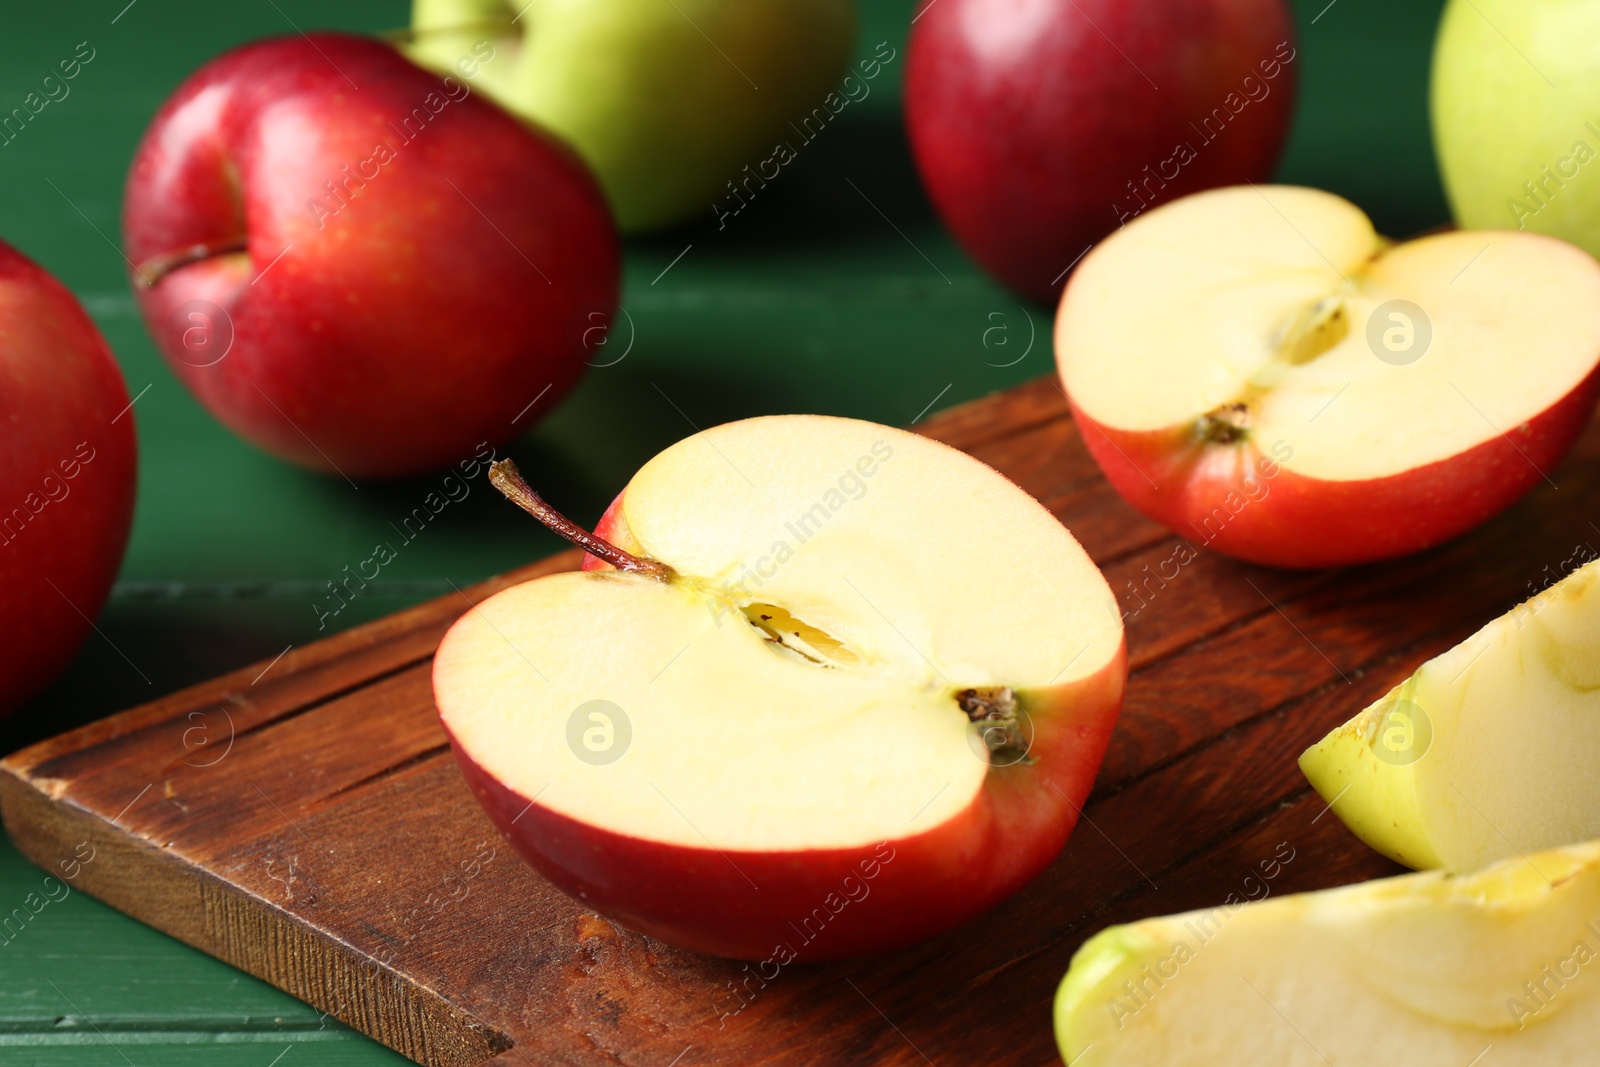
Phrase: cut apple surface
[1428,970]
[765,703]
[862,644]
[1261,371]
[1487,751]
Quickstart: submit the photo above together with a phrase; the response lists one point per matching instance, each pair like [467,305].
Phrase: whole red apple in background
[360,266]
[67,474]
[1039,126]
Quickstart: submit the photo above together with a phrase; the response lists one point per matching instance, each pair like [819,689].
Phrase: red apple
[360,266]
[1261,371]
[1039,126]
[837,688]
[67,475]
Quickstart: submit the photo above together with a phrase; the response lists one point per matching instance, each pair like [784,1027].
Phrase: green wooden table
[837,291]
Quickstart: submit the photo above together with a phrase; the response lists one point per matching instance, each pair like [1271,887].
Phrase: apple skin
[915,887]
[667,102]
[1312,522]
[1504,136]
[1030,128]
[70,449]
[403,328]
[614,529]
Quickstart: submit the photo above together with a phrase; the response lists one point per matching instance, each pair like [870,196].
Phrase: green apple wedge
[1516,116]
[1488,750]
[666,100]
[1425,970]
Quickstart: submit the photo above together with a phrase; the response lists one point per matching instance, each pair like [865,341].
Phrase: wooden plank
[305,821]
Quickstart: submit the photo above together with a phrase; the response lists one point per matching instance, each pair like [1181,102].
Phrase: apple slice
[1426,970]
[849,688]
[1258,369]
[1487,751]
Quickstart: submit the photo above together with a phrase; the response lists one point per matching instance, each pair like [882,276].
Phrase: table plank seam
[400,768]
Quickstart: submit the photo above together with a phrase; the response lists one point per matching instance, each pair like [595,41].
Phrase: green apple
[1488,750]
[667,100]
[1516,115]
[1425,970]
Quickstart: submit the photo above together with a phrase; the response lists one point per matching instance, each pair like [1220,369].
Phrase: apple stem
[505,477]
[155,268]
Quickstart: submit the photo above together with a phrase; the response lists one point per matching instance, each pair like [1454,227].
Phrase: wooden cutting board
[304,819]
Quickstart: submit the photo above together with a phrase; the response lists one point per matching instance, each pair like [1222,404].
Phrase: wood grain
[304,820]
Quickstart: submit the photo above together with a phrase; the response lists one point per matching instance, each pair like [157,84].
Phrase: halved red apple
[1258,369]
[856,694]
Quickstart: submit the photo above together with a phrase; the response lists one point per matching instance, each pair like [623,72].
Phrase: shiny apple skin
[1029,119]
[1311,522]
[752,905]
[403,329]
[614,529]
[61,399]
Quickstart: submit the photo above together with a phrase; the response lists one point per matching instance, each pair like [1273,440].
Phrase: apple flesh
[667,102]
[67,475]
[866,704]
[1426,969]
[1257,369]
[1514,151]
[371,278]
[1488,750]
[1039,127]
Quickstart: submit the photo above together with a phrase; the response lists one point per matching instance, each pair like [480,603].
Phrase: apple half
[1258,369]
[1426,970]
[1487,751]
[851,689]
